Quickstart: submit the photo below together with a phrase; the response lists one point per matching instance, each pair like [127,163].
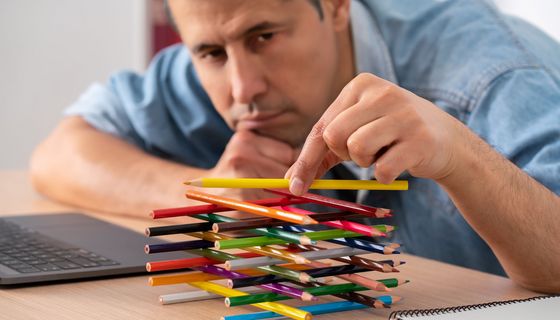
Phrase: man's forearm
[513,213]
[82,166]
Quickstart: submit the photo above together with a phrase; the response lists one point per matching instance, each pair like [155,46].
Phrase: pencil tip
[147,232]
[148,266]
[147,249]
[306,296]
[305,240]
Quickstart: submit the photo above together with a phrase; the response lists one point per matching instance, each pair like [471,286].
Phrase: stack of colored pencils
[277,254]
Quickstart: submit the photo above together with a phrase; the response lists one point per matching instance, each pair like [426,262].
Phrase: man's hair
[315,3]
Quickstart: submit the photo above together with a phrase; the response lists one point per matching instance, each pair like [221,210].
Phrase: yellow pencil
[284,184]
[279,308]
[250,207]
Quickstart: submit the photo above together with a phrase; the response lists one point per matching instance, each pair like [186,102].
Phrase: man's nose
[246,78]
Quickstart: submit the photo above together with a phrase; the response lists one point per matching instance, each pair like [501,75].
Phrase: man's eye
[213,54]
[265,37]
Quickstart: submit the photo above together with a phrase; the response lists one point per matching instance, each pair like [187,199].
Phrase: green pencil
[315,291]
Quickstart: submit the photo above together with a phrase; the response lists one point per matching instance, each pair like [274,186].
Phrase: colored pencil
[382,266]
[354,243]
[267,222]
[178,228]
[341,224]
[316,309]
[251,208]
[177,246]
[273,287]
[211,208]
[274,233]
[177,264]
[275,270]
[285,183]
[377,302]
[282,309]
[264,250]
[309,255]
[197,295]
[338,204]
[315,291]
[315,273]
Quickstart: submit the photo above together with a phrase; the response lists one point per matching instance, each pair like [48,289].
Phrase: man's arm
[517,216]
[80,165]
[375,122]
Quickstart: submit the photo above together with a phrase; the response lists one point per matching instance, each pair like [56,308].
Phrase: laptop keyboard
[27,251]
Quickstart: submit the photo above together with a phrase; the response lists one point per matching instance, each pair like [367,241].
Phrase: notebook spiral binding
[395,315]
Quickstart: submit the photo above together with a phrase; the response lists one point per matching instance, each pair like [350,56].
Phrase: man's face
[270,66]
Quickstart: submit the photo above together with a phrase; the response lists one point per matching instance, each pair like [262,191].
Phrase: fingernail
[296,186]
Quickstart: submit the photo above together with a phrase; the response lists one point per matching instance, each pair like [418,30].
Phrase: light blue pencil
[313,309]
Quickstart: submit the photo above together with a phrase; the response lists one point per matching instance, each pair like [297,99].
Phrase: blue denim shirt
[497,74]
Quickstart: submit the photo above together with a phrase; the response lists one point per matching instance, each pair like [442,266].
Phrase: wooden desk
[433,284]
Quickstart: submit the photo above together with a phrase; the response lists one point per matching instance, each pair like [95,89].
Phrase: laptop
[36,249]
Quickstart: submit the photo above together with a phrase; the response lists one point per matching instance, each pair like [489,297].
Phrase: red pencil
[337,203]
[190,262]
[211,208]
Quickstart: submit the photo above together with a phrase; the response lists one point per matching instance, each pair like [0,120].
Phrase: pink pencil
[341,224]
[336,203]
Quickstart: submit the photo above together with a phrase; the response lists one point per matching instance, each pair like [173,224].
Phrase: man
[460,99]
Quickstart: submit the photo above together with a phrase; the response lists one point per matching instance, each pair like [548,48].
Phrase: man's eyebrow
[266,25]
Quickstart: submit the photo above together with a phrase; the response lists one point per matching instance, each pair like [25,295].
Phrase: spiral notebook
[542,307]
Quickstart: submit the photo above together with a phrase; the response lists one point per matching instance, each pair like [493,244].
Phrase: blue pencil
[313,309]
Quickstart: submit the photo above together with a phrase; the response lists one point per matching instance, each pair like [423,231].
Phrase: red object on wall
[163,34]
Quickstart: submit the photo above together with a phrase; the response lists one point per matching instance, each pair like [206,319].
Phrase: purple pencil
[274,287]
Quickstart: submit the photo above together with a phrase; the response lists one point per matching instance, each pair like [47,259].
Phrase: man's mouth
[257,120]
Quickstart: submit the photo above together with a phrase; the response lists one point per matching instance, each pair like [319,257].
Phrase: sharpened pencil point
[305,278]
[229,284]
[148,266]
[147,232]
[147,249]
[306,296]
[305,240]
[308,220]
[227,266]
[227,302]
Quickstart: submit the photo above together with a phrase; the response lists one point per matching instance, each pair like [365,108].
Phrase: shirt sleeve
[165,112]
[519,115]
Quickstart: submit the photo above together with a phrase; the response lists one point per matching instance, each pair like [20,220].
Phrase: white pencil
[198,295]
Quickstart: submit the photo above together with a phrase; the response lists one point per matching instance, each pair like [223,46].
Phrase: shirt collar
[371,54]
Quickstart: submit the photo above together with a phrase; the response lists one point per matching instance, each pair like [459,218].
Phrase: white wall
[542,13]
[50,51]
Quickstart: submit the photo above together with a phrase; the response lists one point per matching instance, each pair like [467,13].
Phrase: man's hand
[375,121]
[250,155]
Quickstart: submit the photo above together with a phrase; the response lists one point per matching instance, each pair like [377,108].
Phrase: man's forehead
[226,19]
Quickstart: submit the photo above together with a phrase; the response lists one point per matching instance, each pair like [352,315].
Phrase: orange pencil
[250,207]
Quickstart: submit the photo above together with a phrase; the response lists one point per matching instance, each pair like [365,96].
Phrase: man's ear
[339,10]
